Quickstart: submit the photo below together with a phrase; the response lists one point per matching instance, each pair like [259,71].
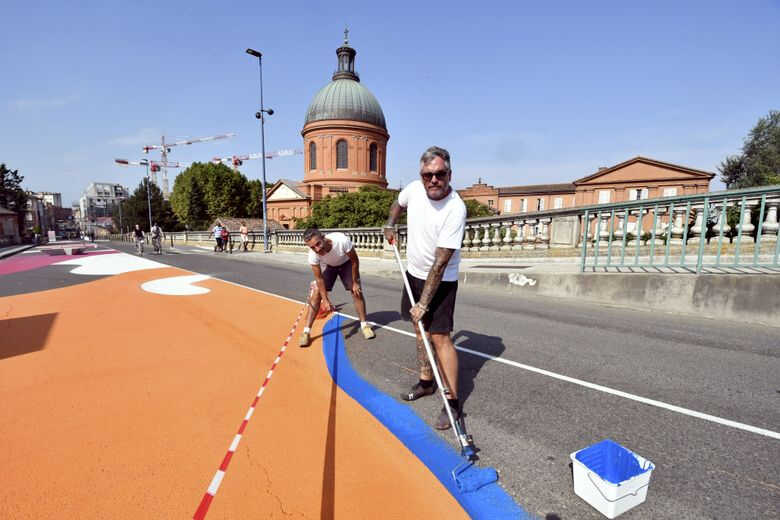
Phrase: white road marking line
[586,384]
[605,389]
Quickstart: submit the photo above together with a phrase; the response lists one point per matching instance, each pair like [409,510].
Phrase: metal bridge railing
[727,231]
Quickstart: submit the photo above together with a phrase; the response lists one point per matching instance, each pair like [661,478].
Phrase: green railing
[732,231]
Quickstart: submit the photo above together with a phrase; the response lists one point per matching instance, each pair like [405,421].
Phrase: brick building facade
[634,179]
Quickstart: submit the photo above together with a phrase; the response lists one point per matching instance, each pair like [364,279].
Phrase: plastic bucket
[611,478]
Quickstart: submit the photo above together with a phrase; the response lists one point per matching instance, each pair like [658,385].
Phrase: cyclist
[138,235]
[157,238]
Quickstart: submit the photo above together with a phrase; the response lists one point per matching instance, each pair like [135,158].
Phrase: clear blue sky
[520,93]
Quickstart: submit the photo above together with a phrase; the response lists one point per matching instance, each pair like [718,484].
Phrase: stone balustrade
[650,232]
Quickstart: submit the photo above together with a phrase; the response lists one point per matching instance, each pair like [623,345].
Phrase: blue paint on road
[488,501]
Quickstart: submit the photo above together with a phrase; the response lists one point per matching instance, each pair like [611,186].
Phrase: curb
[745,298]
[7,253]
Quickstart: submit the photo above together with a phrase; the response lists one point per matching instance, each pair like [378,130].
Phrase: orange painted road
[116,402]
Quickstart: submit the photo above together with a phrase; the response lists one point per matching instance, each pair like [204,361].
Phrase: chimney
[602,168]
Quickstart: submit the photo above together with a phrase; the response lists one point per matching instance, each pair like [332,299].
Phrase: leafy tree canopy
[474,208]
[12,195]
[205,191]
[255,208]
[367,207]
[135,210]
[759,162]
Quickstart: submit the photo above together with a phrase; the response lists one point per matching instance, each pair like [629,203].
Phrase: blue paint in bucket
[611,461]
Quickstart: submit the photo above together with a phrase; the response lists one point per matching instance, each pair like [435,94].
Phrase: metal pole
[262,149]
[148,196]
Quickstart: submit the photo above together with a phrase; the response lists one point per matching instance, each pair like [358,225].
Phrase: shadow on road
[25,335]
[469,364]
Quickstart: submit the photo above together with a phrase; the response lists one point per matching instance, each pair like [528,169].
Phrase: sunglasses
[440,175]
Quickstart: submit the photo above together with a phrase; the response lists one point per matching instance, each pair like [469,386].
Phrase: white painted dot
[177,285]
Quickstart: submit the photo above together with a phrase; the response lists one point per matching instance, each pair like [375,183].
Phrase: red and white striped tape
[203,508]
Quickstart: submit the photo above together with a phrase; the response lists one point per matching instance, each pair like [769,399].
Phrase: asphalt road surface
[699,398]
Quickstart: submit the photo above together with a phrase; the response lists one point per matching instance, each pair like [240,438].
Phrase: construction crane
[237,160]
[154,166]
[165,148]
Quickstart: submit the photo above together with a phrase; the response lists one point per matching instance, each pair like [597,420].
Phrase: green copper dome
[345,97]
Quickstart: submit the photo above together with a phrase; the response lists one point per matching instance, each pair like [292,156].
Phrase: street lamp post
[261,116]
[148,196]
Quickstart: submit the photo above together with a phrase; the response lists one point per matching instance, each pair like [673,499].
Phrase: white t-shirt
[337,254]
[432,224]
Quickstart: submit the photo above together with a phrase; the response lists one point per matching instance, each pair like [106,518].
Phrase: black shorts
[439,318]
[343,271]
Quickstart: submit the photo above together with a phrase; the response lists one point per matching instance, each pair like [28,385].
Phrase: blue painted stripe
[488,502]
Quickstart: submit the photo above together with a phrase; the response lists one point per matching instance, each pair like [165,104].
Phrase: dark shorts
[344,271]
[439,318]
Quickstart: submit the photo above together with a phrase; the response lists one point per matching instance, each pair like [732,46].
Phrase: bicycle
[157,243]
[139,246]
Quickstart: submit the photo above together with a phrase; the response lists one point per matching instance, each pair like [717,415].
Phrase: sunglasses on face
[440,175]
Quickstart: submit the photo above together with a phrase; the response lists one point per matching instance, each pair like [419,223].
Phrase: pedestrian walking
[436,220]
[244,235]
[226,240]
[217,232]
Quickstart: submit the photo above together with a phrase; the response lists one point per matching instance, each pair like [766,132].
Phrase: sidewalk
[748,298]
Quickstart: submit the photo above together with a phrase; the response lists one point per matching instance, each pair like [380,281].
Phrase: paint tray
[611,478]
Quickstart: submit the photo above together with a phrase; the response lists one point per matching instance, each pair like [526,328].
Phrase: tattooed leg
[423,363]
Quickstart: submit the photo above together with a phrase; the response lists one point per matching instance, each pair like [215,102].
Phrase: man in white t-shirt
[436,220]
[332,256]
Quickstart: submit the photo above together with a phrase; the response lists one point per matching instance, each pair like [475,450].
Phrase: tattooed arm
[432,283]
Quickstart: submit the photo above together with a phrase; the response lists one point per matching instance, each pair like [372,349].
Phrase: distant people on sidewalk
[226,245]
[217,232]
[244,235]
[436,220]
[333,256]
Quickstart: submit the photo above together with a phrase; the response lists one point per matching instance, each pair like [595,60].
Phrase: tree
[12,196]
[759,162]
[255,208]
[367,207]
[205,191]
[135,210]
[474,208]
[188,202]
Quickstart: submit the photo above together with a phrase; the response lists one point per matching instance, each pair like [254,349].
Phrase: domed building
[344,144]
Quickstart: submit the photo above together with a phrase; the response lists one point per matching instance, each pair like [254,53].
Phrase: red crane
[165,148]
[237,160]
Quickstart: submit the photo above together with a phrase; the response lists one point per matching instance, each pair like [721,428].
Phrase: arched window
[312,156]
[341,154]
[372,157]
